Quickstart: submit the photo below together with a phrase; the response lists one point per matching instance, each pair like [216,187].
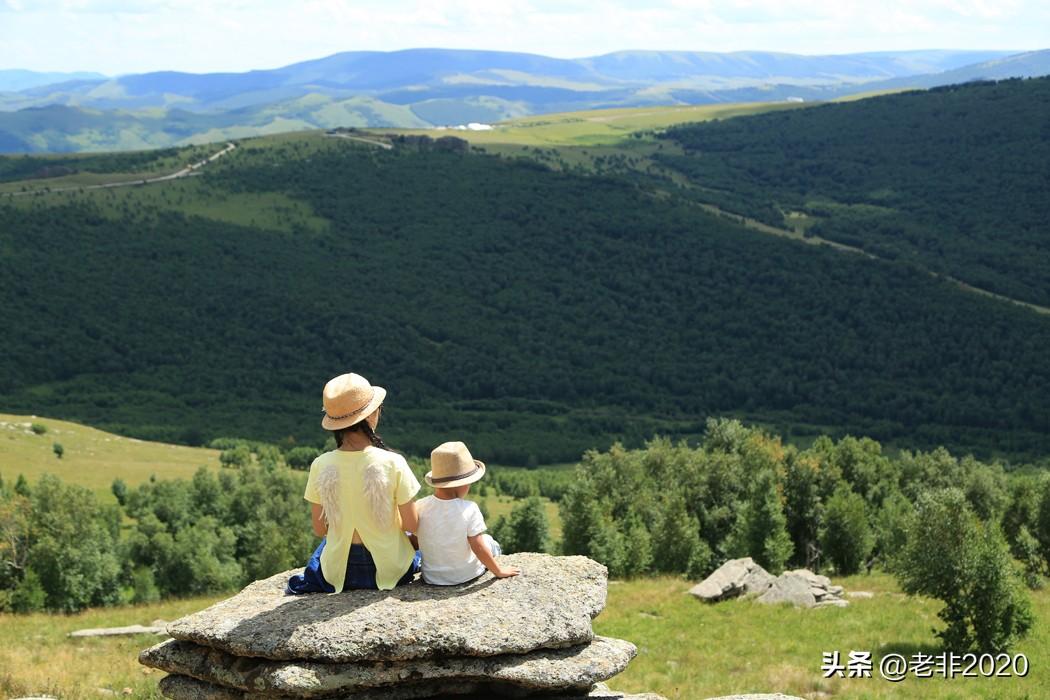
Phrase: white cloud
[207,35]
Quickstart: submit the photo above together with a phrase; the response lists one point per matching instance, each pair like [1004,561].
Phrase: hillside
[91,457]
[432,87]
[535,313]
[953,180]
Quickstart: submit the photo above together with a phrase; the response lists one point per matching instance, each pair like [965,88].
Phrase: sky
[134,36]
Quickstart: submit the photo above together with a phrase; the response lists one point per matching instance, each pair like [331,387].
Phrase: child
[451,530]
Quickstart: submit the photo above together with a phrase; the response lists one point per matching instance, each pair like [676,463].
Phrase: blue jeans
[360,572]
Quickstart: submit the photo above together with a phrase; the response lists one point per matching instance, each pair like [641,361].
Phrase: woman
[362,499]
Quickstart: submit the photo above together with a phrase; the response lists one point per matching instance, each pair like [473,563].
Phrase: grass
[687,650]
[91,458]
[598,127]
[37,658]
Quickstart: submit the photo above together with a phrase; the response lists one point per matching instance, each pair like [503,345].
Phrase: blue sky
[131,36]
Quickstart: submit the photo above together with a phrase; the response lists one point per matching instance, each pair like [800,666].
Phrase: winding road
[185,172]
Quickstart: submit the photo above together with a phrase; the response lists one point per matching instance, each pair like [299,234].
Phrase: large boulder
[550,605]
[803,588]
[734,578]
[573,668]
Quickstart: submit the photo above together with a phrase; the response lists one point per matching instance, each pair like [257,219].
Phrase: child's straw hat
[349,399]
[453,466]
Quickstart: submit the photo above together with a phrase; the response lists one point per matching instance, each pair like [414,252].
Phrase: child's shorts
[360,572]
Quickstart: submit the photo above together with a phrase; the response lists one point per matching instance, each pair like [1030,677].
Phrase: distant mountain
[1033,64]
[14,80]
[433,87]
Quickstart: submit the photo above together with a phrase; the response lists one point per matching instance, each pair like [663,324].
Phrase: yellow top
[360,490]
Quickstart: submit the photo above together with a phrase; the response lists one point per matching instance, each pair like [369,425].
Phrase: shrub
[38,428]
[144,588]
[234,457]
[951,555]
[29,595]
[301,457]
[846,537]
[1026,549]
[120,491]
[58,449]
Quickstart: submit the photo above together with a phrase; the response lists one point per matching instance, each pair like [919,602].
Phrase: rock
[832,602]
[803,588]
[789,588]
[185,688]
[735,577]
[860,594]
[577,667]
[760,696]
[116,631]
[549,605]
[527,636]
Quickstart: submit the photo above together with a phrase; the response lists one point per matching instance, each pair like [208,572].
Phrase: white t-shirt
[443,530]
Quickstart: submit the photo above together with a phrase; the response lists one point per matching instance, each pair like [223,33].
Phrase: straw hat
[349,399]
[452,466]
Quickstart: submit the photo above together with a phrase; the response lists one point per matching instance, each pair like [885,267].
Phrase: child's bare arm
[481,551]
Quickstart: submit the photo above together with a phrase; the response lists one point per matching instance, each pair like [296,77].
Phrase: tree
[762,532]
[529,531]
[73,547]
[1023,509]
[1042,521]
[802,507]
[954,557]
[1026,549]
[239,456]
[846,537]
[301,457]
[120,490]
[58,449]
[676,544]
[891,524]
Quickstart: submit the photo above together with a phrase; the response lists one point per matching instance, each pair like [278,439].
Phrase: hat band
[352,413]
[455,477]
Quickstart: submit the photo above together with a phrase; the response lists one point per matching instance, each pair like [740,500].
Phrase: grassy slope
[689,650]
[686,650]
[601,126]
[92,457]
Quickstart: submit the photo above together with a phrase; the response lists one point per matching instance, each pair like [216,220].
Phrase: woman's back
[359,491]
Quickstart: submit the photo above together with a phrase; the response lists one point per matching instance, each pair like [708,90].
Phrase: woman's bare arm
[409,516]
[317,517]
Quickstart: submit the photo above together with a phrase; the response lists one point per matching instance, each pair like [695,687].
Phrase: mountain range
[430,87]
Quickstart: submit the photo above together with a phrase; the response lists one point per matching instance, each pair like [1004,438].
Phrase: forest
[952,179]
[536,313]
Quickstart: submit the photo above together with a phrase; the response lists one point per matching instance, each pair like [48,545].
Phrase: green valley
[537,307]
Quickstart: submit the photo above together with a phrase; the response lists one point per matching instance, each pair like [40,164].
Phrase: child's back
[444,526]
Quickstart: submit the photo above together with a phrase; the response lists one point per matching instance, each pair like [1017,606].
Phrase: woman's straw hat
[452,466]
[349,399]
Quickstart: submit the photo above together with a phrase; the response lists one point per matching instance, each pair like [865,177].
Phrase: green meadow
[91,458]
